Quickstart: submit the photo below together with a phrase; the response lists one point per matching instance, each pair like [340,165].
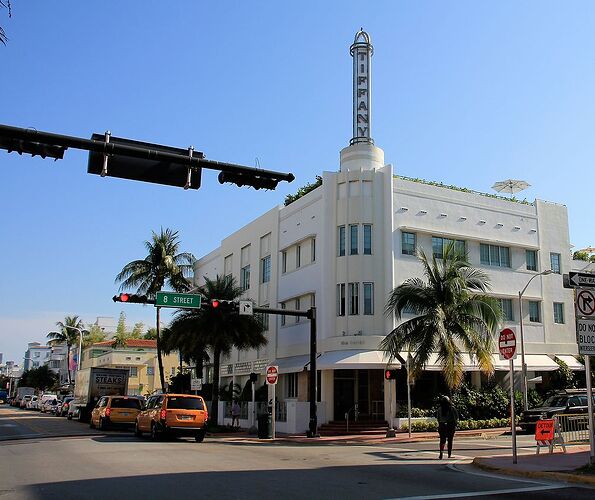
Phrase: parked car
[173,415]
[570,401]
[43,399]
[48,405]
[33,403]
[115,411]
[62,407]
[24,400]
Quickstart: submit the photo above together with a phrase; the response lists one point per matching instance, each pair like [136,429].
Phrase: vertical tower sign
[362,51]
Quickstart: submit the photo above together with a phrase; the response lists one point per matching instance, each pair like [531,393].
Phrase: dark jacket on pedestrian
[447,414]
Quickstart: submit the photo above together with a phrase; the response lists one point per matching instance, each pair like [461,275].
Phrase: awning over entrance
[535,363]
[292,364]
[571,361]
[354,360]
[433,365]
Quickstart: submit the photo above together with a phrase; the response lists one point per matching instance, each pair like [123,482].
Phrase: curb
[554,476]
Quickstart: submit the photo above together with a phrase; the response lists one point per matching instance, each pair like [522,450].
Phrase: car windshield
[556,401]
[126,403]
[184,403]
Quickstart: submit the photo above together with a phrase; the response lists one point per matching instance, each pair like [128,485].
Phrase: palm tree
[67,334]
[452,312]
[163,265]
[218,329]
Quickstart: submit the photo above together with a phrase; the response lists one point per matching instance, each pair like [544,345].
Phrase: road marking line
[480,493]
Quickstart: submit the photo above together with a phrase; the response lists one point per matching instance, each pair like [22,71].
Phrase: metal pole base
[391,433]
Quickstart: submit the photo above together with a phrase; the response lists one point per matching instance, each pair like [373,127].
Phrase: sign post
[272,376]
[507,347]
[584,301]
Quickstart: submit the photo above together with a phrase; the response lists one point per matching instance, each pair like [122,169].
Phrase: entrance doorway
[362,387]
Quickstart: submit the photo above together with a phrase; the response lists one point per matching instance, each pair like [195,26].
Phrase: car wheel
[137,431]
[154,432]
[102,424]
[200,437]
[91,424]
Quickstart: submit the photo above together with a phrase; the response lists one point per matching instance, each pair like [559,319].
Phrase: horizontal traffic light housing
[132,298]
[32,148]
[224,305]
[391,374]
[248,179]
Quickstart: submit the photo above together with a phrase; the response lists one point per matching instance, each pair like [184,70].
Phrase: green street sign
[178,300]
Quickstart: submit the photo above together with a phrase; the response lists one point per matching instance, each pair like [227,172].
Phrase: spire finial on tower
[362,52]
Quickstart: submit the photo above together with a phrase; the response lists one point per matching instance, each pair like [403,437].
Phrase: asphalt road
[117,465]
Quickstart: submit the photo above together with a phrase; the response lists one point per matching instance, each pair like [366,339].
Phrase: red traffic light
[391,374]
[124,297]
[214,303]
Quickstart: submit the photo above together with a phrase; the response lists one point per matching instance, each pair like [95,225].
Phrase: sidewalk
[558,466]
[378,438]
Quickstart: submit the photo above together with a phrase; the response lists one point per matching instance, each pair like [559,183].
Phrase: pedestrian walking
[235,413]
[447,417]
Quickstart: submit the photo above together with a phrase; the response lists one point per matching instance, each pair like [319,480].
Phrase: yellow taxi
[173,415]
[115,411]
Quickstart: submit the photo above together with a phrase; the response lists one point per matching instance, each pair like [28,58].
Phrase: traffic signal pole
[312,381]
[9,134]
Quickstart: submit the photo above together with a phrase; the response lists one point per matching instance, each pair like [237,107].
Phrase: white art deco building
[345,245]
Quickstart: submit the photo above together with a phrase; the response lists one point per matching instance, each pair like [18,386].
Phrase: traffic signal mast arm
[8,134]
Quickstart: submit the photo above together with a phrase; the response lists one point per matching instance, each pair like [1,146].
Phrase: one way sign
[581,279]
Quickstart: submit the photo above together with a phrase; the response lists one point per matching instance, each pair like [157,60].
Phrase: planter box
[398,422]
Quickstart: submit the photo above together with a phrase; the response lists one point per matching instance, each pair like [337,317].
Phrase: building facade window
[494,255]
[264,319]
[292,385]
[341,242]
[559,313]
[353,299]
[353,239]
[297,308]
[534,312]
[367,239]
[265,269]
[150,370]
[133,371]
[368,299]
[284,262]
[408,243]
[283,317]
[555,261]
[531,258]
[313,249]
[440,244]
[506,306]
[245,278]
[298,256]
[341,299]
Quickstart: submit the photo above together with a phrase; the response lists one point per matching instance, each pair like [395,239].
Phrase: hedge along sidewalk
[557,466]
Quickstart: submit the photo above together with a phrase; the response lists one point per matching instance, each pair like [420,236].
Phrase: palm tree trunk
[159,359]
[215,397]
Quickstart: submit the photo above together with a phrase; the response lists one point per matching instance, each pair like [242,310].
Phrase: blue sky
[466,93]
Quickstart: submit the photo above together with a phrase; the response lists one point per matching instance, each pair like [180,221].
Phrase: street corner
[552,467]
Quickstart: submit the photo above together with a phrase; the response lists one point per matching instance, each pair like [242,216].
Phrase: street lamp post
[524,365]
[78,364]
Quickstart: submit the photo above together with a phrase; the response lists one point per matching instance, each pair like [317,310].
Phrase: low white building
[346,244]
[36,355]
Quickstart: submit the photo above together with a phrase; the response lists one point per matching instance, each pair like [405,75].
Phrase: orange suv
[173,415]
[115,410]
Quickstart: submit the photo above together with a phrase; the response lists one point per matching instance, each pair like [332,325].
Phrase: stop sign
[272,375]
[507,344]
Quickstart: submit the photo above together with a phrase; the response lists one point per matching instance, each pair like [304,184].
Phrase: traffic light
[32,148]
[132,298]
[224,305]
[391,374]
[253,377]
[248,179]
